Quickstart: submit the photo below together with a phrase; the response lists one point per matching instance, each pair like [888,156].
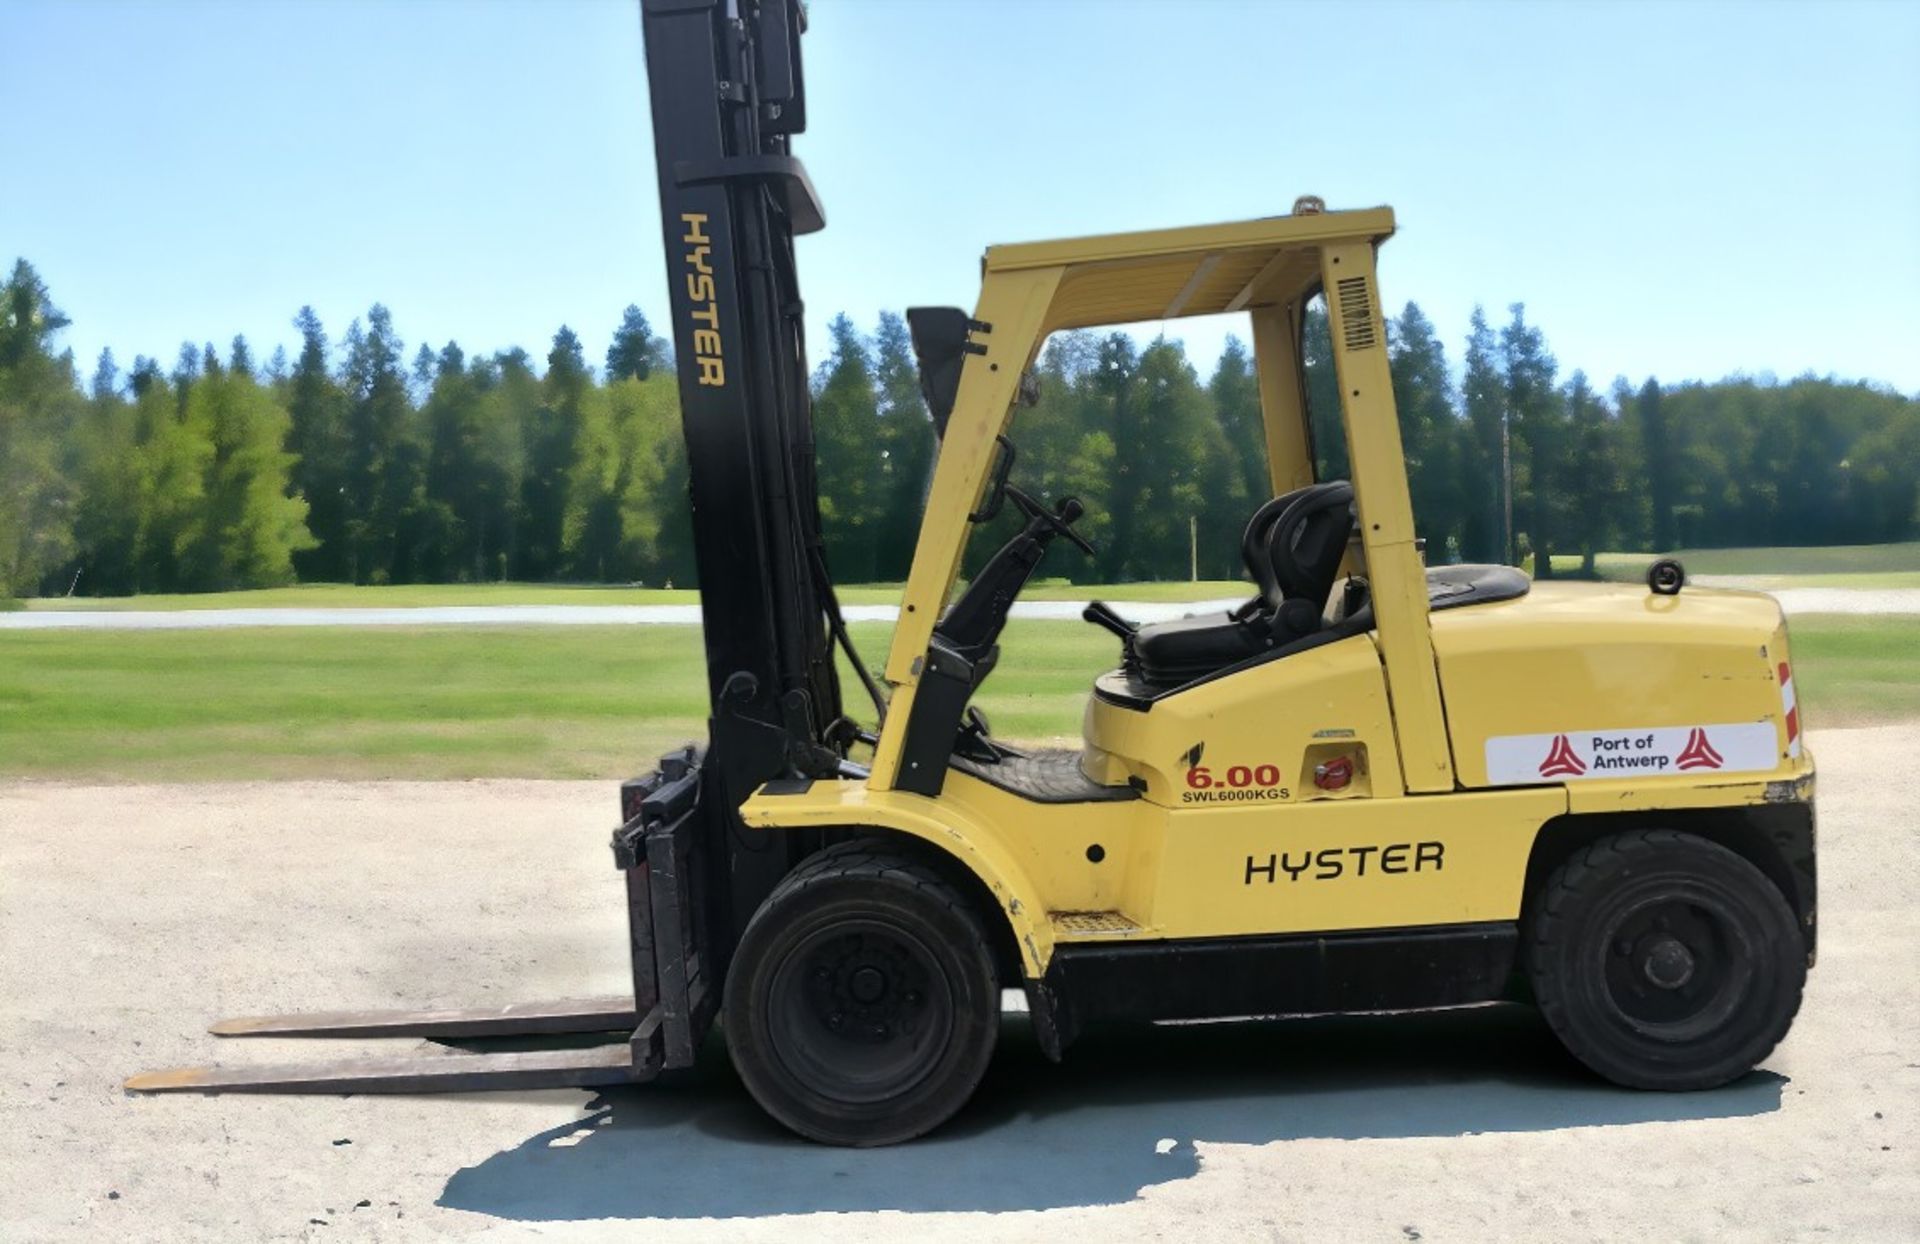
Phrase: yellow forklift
[1375,785]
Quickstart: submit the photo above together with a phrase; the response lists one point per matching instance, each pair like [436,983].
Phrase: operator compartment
[1314,704]
[1311,725]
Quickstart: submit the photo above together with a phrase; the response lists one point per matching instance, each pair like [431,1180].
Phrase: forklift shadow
[1121,1113]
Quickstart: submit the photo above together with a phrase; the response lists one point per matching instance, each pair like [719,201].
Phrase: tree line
[346,462]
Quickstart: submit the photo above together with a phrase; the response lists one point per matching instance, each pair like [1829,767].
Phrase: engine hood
[1595,682]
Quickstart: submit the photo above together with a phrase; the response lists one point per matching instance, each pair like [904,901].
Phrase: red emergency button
[1334,774]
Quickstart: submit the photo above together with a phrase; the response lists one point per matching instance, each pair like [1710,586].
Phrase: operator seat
[1292,547]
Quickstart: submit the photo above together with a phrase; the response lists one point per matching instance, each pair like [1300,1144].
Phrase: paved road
[509,615]
[1792,600]
[130,915]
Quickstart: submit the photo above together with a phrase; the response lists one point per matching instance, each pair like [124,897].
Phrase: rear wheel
[1664,961]
[861,1005]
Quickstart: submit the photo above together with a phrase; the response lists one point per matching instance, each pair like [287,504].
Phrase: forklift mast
[727,97]
[726,91]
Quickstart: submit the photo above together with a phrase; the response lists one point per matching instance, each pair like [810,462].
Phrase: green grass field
[1844,565]
[566,702]
[413,596]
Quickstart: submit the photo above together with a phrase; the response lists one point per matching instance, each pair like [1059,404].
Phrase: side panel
[1304,868]
[1358,864]
[1647,692]
[1274,721]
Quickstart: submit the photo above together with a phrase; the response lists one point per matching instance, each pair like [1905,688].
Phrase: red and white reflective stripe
[1793,711]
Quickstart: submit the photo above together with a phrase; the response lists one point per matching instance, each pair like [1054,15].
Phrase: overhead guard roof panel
[1122,278]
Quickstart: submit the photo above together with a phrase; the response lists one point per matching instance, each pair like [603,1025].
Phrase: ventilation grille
[1356,313]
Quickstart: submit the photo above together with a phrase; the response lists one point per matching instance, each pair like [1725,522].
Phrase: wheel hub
[867,985]
[1669,964]
[860,1013]
[866,989]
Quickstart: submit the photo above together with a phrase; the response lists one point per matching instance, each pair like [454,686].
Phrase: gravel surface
[132,915]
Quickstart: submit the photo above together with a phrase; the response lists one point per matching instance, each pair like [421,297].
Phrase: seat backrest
[1294,543]
[1307,543]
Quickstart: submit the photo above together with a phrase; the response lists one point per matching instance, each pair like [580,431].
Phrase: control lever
[1101,614]
[1055,522]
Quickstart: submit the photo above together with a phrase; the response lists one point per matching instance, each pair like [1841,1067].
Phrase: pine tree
[1324,416]
[106,377]
[1483,535]
[39,407]
[1657,447]
[1536,427]
[1110,388]
[594,534]
[846,420]
[511,401]
[906,448]
[552,440]
[635,353]
[382,466]
[469,473]
[28,318]
[1181,470]
[186,370]
[1429,431]
[1235,390]
[317,407]
[103,466]
[426,368]
[1592,472]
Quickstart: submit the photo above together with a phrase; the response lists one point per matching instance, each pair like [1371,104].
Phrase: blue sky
[1678,190]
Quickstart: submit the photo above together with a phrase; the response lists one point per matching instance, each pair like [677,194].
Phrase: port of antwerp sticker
[1661,751]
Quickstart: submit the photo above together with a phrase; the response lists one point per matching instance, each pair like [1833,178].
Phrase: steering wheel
[1059,520]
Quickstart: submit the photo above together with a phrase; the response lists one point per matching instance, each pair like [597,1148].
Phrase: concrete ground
[131,915]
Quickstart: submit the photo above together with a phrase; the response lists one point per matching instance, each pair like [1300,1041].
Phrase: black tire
[1664,961]
[862,1006]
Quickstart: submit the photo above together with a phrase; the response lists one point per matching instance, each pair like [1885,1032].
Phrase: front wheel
[861,1006]
[1664,961]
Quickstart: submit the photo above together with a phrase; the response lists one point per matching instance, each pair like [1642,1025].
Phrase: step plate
[446,1073]
[520,1019]
[1068,925]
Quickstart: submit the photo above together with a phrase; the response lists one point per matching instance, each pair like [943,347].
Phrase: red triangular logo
[1562,760]
[1699,753]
